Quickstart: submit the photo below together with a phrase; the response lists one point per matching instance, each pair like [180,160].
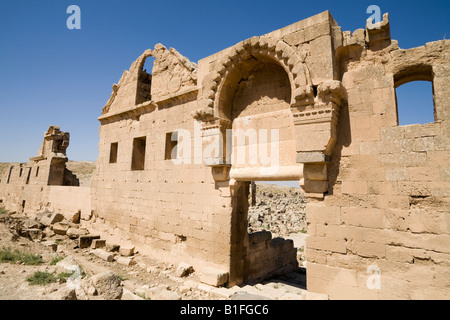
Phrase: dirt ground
[144,274]
[14,286]
[147,273]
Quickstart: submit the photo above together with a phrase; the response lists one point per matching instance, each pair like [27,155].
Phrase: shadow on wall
[344,139]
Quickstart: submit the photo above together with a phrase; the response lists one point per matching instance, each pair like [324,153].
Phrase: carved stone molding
[276,50]
[316,134]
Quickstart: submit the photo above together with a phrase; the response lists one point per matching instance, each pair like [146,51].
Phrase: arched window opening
[148,64]
[145,81]
[415,95]
[415,103]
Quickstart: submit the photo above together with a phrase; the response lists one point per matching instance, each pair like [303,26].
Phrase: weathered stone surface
[125,261]
[67,264]
[375,191]
[184,270]
[108,285]
[86,240]
[75,217]
[126,250]
[51,219]
[102,254]
[32,224]
[161,292]
[112,247]
[128,295]
[60,228]
[51,244]
[241,295]
[213,277]
[74,233]
[64,293]
[98,243]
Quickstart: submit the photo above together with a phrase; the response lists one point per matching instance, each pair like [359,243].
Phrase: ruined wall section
[169,210]
[387,209]
[284,80]
[22,187]
[26,187]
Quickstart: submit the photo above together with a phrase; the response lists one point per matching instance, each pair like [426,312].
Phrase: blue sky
[53,75]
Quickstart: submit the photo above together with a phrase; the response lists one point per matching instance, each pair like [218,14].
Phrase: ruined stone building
[322,103]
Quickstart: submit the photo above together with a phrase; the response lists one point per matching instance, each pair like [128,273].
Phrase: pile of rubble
[52,228]
[279,209]
[80,249]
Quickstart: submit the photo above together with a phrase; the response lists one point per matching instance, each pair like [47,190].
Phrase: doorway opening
[279,207]
[273,242]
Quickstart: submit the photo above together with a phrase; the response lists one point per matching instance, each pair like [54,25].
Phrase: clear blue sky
[53,75]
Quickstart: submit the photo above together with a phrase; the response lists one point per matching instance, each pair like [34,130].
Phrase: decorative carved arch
[261,47]
[315,112]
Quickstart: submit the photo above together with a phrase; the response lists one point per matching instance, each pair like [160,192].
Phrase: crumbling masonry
[378,194]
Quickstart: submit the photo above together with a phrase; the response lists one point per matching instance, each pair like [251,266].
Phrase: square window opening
[113,152]
[171,145]
[138,157]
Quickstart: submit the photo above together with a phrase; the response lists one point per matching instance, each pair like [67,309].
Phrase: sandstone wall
[388,204]
[173,212]
[73,203]
[377,193]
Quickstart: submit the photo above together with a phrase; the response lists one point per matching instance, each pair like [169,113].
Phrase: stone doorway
[258,249]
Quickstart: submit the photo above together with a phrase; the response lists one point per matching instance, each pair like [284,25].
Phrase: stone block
[260,236]
[327,244]
[125,261]
[32,224]
[184,270]
[128,295]
[126,251]
[214,277]
[108,285]
[51,244]
[52,219]
[98,243]
[60,228]
[102,254]
[363,217]
[74,233]
[311,157]
[161,292]
[112,247]
[32,233]
[86,240]
[242,295]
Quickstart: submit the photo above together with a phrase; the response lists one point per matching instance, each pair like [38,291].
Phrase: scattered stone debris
[126,251]
[184,270]
[98,270]
[278,209]
[106,285]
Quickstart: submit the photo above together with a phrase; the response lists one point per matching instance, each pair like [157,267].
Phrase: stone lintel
[312,157]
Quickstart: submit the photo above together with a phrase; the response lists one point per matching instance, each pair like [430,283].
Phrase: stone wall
[74,203]
[377,194]
[383,230]
[24,187]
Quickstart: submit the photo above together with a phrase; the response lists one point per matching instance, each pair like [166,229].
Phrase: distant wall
[70,201]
